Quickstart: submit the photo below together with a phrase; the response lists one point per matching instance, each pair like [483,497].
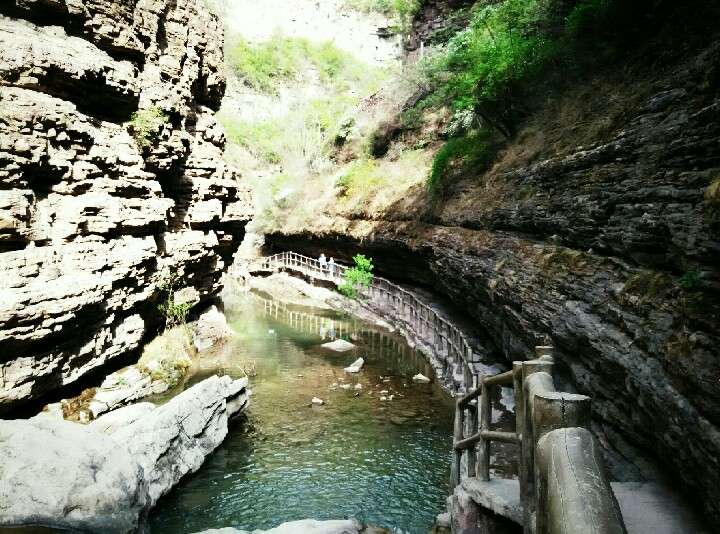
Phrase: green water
[385,463]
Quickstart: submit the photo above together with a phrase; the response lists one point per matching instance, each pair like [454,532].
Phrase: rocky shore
[105,476]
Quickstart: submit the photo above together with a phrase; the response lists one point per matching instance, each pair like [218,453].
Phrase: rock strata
[111,174]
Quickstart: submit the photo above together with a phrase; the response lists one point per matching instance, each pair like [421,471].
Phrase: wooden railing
[447,341]
[563,487]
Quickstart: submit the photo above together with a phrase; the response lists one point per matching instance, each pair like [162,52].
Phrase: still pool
[383,462]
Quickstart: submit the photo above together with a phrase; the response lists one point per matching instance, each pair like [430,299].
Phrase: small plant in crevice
[691,280]
[168,357]
[712,194]
[175,313]
[146,124]
[357,278]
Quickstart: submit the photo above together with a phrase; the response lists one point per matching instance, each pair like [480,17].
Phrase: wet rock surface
[111,173]
[590,251]
[104,477]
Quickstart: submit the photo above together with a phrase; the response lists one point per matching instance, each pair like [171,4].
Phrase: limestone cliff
[111,173]
[608,251]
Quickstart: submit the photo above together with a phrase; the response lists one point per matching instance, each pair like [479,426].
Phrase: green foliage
[458,154]
[492,60]
[411,118]
[401,11]
[357,277]
[510,54]
[691,280]
[260,65]
[263,64]
[146,124]
[359,179]
[260,138]
[175,313]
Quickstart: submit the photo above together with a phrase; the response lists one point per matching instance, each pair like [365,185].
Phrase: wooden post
[472,451]
[484,408]
[457,454]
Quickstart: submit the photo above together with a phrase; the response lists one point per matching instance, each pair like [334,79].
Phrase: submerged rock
[317,401]
[106,476]
[339,345]
[356,366]
[421,378]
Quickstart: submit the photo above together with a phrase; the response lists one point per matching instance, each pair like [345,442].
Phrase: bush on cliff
[401,11]
[515,54]
[145,125]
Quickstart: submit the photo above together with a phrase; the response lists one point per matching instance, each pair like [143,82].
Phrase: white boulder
[356,366]
[339,345]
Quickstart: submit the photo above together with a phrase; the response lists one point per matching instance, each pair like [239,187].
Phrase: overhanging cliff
[607,251]
[111,174]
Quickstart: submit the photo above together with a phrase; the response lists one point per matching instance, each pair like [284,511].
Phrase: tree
[488,63]
[357,277]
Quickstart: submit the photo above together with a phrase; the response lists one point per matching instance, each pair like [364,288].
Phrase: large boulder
[106,476]
[211,328]
[175,439]
[63,474]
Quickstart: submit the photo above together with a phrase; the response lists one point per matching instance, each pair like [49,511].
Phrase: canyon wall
[610,252]
[111,177]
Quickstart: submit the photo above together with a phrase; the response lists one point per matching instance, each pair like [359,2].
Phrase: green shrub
[411,118]
[175,313]
[458,154]
[263,64]
[357,277]
[146,124]
[359,179]
[691,280]
[401,11]
[260,65]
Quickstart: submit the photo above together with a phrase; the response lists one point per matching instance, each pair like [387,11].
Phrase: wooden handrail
[498,380]
[467,399]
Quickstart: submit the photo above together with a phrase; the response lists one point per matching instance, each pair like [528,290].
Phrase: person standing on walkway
[331,268]
[323,262]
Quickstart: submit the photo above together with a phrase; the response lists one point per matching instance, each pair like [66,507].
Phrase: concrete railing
[564,488]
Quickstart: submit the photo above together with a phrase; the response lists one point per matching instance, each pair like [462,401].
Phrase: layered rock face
[111,173]
[608,252]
